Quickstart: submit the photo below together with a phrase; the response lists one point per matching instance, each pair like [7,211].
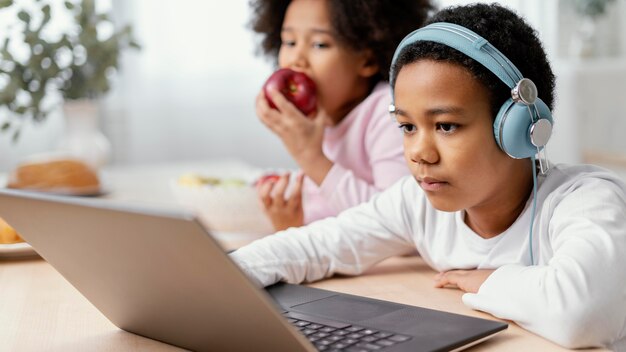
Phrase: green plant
[79,63]
[591,8]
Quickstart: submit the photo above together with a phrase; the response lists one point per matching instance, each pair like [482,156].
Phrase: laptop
[160,274]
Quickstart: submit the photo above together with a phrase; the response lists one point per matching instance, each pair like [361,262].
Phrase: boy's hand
[465,280]
[282,212]
[302,136]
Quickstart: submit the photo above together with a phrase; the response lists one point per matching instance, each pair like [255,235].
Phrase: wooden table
[41,311]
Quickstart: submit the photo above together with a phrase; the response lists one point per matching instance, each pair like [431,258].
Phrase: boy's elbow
[583,328]
[575,338]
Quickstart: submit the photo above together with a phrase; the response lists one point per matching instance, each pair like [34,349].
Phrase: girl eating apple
[348,148]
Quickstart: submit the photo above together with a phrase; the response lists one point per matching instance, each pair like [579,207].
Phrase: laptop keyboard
[334,336]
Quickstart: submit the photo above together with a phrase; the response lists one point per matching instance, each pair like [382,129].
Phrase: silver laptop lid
[155,273]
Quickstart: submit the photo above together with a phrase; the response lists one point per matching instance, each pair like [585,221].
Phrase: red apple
[296,86]
[267,178]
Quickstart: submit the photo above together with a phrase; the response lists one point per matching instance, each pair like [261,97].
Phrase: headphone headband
[470,44]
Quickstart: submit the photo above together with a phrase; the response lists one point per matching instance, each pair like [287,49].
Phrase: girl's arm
[577,298]
[382,144]
[348,244]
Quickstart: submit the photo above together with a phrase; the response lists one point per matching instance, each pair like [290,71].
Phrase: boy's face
[309,45]
[449,145]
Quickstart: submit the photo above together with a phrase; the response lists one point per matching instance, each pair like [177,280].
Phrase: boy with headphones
[541,245]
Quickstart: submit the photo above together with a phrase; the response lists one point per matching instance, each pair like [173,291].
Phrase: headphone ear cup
[497,123]
[511,128]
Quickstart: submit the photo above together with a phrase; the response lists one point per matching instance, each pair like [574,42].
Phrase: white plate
[16,250]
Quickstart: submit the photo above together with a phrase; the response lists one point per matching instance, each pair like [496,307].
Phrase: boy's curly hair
[505,30]
[377,25]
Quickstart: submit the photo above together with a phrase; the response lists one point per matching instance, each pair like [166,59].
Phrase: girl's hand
[465,280]
[282,212]
[301,135]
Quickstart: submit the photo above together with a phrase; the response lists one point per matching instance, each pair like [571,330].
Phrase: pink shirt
[366,148]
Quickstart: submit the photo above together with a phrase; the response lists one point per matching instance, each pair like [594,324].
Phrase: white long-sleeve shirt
[574,295]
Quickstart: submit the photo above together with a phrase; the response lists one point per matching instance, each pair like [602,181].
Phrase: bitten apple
[296,86]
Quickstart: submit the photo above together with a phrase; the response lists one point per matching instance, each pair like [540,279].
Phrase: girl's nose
[299,63]
[298,57]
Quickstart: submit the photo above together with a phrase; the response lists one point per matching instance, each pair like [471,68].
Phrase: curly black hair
[377,25]
[505,30]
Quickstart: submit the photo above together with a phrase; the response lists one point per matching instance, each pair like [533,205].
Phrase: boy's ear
[369,66]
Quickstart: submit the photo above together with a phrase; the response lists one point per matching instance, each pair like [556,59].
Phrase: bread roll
[66,176]
[8,234]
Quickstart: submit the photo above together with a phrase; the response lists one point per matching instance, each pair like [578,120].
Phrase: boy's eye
[288,43]
[447,128]
[407,128]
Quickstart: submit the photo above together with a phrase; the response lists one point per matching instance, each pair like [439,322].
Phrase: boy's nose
[422,150]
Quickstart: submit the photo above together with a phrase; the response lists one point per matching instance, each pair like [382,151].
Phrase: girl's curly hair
[377,25]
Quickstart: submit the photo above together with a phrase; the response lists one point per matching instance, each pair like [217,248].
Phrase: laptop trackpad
[347,308]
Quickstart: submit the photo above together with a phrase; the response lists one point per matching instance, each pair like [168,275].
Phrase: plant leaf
[5,126]
[24,16]
[46,16]
[5,3]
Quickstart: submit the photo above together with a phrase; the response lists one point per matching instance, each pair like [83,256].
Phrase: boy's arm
[577,298]
[347,244]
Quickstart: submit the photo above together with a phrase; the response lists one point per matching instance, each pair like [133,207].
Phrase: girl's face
[309,45]
[445,116]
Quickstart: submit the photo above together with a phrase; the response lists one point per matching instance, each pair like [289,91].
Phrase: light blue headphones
[523,125]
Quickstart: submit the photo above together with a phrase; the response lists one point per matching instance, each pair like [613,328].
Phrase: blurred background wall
[189,93]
